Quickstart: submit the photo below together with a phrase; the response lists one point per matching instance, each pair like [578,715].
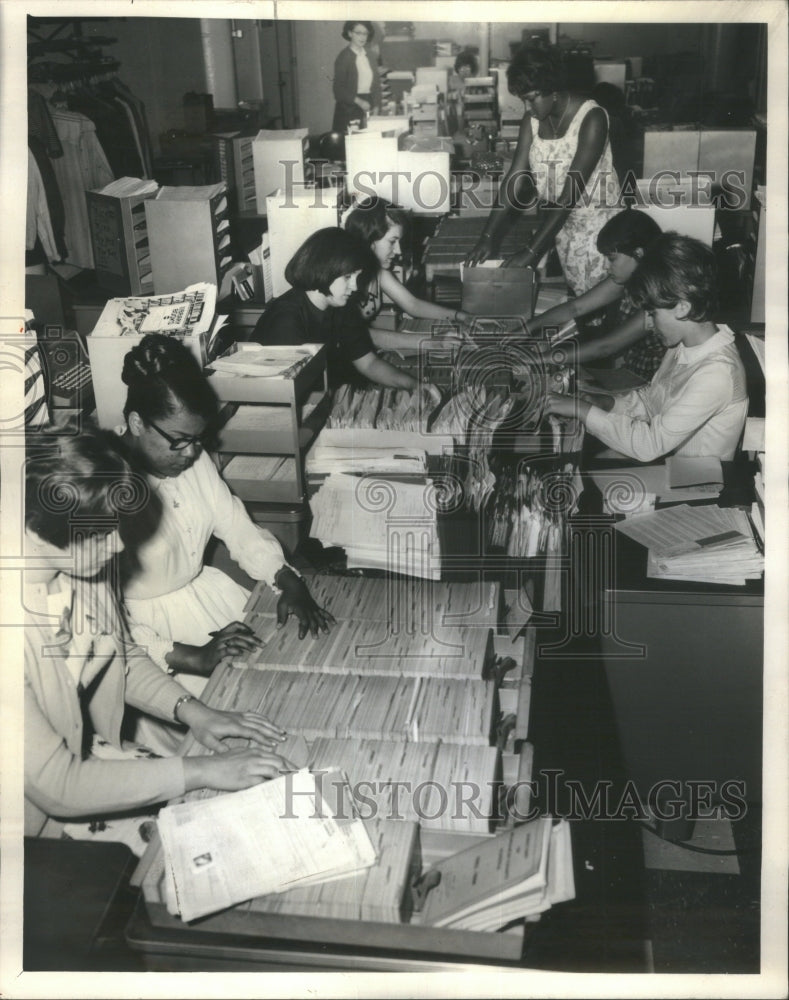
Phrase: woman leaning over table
[82,669]
[563,163]
[321,308]
[381,226]
[357,86]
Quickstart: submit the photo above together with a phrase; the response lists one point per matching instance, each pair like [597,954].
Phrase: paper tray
[257,931]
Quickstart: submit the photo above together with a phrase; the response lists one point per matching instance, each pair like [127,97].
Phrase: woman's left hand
[210,726]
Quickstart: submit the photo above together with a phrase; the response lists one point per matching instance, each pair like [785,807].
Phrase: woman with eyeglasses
[562,164]
[187,614]
[357,85]
[82,670]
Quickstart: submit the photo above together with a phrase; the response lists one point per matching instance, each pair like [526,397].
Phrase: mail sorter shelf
[121,251]
[189,239]
[236,166]
[268,418]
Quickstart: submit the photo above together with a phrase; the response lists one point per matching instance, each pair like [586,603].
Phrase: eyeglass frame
[180,444]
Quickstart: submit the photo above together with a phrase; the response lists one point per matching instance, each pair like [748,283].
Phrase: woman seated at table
[380,226]
[186,613]
[81,667]
[325,272]
[697,402]
[623,241]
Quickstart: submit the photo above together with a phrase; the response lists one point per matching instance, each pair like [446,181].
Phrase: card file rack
[400,943]
[236,167]
[121,251]
[189,237]
[270,417]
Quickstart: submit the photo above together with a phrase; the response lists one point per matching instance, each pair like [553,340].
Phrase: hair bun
[153,355]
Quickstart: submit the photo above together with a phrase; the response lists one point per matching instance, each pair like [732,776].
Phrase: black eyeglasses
[180,444]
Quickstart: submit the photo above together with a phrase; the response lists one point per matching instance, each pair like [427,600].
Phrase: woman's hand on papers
[233,770]
[296,599]
[210,726]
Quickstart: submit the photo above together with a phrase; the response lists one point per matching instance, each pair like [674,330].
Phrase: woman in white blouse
[185,613]
[356,85]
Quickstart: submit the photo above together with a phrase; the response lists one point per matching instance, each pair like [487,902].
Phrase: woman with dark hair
[697,401]
[622,241]
[81,664]
[185,613]
[357,86]
[563,163]
[466,65]
[325,273]
[380,226]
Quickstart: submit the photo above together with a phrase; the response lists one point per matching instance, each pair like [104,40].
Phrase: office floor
[708,922]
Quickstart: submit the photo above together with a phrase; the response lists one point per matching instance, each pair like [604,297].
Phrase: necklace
[557,128]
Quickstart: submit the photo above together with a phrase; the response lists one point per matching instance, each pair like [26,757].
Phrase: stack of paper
[382,522]
[338,706]
[278,361]
[223,850]
[514,875]
[368,647]
[706,544]
[323,460]
[128,187]
[406,604]
[379,893]
[384,409]
[190,312]
[441,786]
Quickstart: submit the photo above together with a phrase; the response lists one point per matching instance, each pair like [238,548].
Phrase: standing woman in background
[563,162]
[357,86]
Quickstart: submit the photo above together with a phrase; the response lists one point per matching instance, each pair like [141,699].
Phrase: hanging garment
[57,212]
[122,92]
[38,223]
[82,168]
[112,130]
[40,124]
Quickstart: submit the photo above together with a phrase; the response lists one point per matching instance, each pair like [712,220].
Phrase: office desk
[688,696]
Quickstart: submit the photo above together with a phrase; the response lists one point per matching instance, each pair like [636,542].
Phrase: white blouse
[171,596]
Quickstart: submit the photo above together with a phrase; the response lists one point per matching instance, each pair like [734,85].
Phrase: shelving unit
[121,249]
[270,418]
[236,168]
[480,105]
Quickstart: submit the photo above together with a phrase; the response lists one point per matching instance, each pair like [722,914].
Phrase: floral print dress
[576,241]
